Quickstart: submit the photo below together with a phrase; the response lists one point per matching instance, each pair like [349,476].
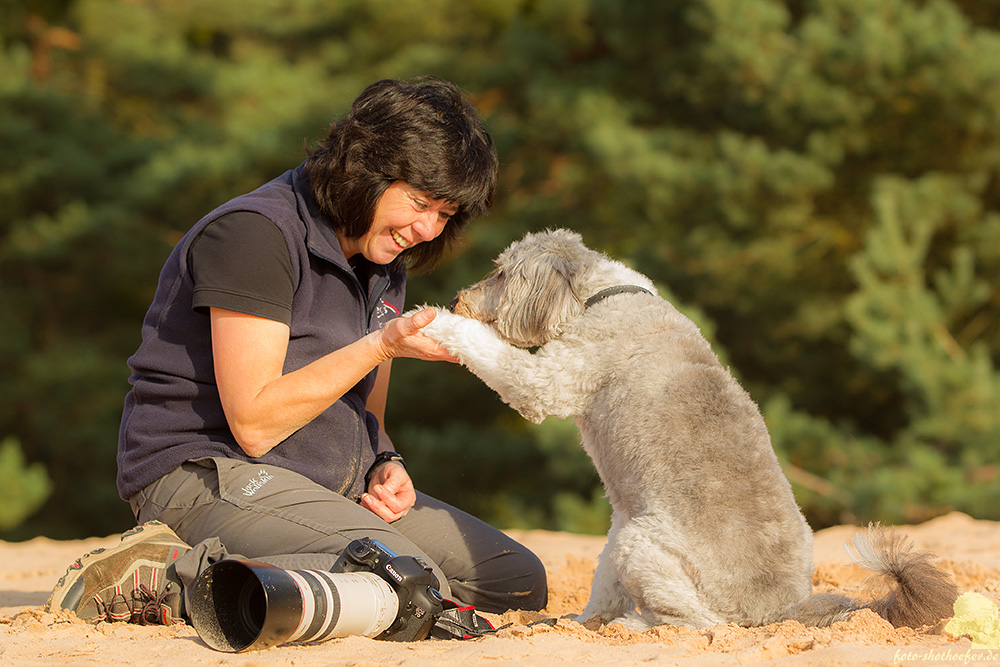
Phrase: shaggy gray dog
[705,529]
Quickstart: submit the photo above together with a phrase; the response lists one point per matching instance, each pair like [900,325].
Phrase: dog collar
[611,291]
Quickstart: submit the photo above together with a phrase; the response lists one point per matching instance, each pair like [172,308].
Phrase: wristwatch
[380,458]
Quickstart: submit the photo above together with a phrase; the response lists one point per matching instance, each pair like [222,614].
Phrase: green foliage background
[814,181]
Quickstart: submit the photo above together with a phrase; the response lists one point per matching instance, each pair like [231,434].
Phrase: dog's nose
[451,306]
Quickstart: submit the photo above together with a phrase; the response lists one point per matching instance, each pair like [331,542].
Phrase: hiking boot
[132,582]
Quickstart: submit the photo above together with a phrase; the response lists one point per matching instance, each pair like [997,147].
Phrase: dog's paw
[445,328]
[465,338]
[437,309]
[632,621]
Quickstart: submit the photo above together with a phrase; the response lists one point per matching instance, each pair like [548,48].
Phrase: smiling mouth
[403,243]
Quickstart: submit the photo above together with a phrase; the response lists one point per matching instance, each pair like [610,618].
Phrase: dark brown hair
[424,133]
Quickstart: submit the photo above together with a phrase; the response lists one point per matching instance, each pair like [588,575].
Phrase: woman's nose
[428,225]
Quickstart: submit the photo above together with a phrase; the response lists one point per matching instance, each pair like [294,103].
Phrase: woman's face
[403,217]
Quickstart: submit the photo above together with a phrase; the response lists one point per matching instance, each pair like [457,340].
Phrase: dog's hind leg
[608,598]
[664,582]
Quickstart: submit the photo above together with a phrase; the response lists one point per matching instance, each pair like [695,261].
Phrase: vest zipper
[368,306]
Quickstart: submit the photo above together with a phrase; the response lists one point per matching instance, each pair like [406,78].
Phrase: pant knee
[511,580]
[533,594]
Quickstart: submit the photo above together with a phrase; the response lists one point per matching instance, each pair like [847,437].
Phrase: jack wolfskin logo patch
[385,311]
[262,478]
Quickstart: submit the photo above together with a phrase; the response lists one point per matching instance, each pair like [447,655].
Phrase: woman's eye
[418,204]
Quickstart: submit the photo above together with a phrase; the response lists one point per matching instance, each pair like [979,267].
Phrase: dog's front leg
[608,598]
[515,374]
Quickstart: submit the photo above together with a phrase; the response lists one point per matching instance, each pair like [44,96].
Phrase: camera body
[414,583]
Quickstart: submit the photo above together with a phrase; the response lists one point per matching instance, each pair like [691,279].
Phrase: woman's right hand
[402,337]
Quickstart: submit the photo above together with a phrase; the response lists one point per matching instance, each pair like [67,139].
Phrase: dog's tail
[919,593]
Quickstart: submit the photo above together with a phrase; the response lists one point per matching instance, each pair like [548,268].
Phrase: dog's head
[533,290]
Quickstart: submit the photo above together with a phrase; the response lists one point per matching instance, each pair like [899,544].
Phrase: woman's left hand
[390,492]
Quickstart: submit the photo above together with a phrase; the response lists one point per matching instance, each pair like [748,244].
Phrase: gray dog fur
[705,528]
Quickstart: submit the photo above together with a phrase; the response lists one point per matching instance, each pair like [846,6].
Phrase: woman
[254,425]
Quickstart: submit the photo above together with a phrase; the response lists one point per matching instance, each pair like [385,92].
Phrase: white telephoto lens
[354,603]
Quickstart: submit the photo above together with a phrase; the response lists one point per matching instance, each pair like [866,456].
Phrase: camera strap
[456,622]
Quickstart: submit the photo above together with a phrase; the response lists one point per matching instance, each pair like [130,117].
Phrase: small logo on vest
[384,312]
[262,478]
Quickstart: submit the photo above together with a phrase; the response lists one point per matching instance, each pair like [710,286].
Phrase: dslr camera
[238,605]
[410,579]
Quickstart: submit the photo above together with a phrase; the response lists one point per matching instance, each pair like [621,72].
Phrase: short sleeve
[240,262]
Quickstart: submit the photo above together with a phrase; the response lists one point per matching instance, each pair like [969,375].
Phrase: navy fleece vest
[173,413]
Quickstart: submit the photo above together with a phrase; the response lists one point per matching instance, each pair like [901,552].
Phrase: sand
[968,549]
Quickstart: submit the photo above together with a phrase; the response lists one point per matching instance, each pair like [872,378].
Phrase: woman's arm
[264,406]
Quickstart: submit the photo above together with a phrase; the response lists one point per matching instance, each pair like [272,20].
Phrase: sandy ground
[969,550]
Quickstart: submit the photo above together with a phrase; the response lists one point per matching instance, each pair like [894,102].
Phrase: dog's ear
[538,298]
